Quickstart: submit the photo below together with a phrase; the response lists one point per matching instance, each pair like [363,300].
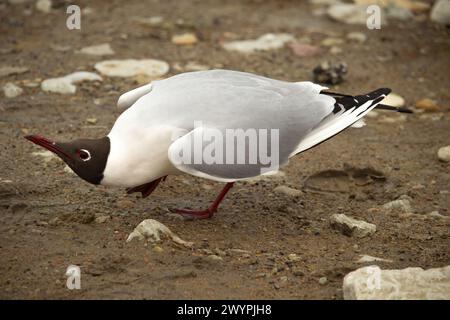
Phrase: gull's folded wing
[213,154]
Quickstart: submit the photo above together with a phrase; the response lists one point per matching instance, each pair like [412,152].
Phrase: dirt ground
[47,216]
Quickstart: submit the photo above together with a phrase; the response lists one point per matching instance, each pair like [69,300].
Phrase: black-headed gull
[219,124]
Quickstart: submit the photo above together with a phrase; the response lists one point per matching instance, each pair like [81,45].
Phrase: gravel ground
[48,216]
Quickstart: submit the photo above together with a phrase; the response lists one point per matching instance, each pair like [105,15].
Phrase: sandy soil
[47,216]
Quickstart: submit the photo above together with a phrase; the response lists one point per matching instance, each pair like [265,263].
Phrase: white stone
[393,99]
[323,280]
[153,230]
[11,90]
[185,39]
[329,42]
[413,5]
[444,154]
[267,41]
[81,76]
[372,283]
[191,66]
[58,85]
[436,214]
[288,191]
[350,226]
[399,13]
[44,6]
[399,205]
[441,12]
[131,67]
[359,124]
[336,50]
[294,257]
[350,13]
[235,251]
[98,50]
[149,21]
[214,258]
[366,258]
[357,36]
[65,85]
[10,70]
[102,219]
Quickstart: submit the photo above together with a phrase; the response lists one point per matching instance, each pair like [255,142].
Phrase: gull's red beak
[49,145]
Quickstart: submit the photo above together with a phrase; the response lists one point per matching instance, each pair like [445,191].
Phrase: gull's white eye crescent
[84,154]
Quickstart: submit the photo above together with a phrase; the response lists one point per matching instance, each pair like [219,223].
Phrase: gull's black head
[86,157]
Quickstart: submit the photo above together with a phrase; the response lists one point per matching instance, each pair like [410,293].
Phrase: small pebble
[151,68]
[11,90]
[293,257]
[441,12]
[427,105]
[323,280]
[357,36]
[366,258]
[125,204]
[330,42]
[186,39]
[149,21]
[394,100]
[400,205]
[288,191]
[102,219]
[352,227]
[304,50]
[91,120]
[103,49]
[65,85]
[336,50]
[44,6]
[269,41]
[238,251]
[9,70]
[444,154]
[214,257]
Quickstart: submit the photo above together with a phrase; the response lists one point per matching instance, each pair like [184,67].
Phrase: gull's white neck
[138,156]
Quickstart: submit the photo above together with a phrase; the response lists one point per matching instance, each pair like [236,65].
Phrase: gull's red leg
[208,213]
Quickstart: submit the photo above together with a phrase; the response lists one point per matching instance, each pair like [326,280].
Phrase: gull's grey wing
[254,128]
[216,155]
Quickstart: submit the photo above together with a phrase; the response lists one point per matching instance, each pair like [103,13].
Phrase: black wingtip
[379,92]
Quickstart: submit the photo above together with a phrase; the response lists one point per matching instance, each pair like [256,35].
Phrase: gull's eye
[84,155]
